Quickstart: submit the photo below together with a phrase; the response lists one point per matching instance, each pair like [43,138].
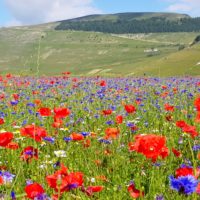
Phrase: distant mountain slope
[133,23]
[130,16]
[90,53]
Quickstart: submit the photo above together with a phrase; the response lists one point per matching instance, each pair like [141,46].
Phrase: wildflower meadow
[99,138]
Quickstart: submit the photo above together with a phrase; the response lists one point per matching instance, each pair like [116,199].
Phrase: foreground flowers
[5,138]
[94,127]
[36,192]
[35,132]
[134,193]
[63,181]
[151,146]
[185,181]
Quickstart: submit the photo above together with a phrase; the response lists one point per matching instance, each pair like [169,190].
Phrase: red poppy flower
[35,92]
[66,73]
[152,146]
[169,107]
[35,132]
[61,112]
[77,136]
[169,118]
[187,128]
[86,143]
[184,171]
[1,180]
[12,145]
[29,153]
[191,130]
[119,119]
[34,191]
[45,112]
[102,83]
[197,103]
[15,96]
[164,87]
[164,94]
[8,76]
[5,138]
[3,167]
[107,112]
[176,152]
[2,96]
[175,90]
[198,189]
[63,181]
[92,189]
[135,193]
[1,121]
[57,122]
[198,117]
[134,128]
[138,102]
[130,108]
[37,102]
[180,124]
[112,133]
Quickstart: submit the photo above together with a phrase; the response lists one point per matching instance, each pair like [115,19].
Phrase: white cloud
[40,11]
[189,6]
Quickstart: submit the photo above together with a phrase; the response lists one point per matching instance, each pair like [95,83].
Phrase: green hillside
[129,16]
[133,23]
[22,49]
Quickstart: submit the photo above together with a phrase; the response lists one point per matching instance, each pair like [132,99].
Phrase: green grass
[88,53]
[115,162]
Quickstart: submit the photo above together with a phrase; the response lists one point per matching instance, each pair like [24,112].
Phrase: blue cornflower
[96,116]
[113,107]
[49,139]
[157,164]
[30,111]
[42,197]
[159,197]
[14,103]
[85,133]
[196,147]
[130,124]
[72,186]
[29,182]
[184,184]
[7,177]
[24,122]
[110,122]
[57,164]
[67,139]
[30,104]
[12,195]
[105,141]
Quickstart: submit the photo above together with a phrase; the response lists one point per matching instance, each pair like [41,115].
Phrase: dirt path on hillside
[140,39]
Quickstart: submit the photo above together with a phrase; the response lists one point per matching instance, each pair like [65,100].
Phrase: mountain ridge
[134,15]
[133,22]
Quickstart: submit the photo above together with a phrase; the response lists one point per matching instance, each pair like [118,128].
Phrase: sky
[27,12]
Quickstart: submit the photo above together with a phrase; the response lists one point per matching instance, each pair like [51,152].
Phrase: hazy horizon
[23,12]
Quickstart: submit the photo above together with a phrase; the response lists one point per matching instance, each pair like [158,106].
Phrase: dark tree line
[120,26]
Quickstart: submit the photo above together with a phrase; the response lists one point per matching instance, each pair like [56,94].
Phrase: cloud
[12,22]
[189,6]
[40,11]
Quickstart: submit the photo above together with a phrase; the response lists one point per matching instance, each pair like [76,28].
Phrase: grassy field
[23,50]
[118,138]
